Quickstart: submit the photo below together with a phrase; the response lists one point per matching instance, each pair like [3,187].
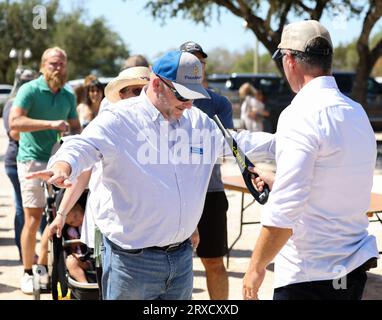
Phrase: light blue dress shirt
[155,174]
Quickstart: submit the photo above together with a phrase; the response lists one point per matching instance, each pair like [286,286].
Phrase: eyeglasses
[278,54]
[173,90]
[135,91]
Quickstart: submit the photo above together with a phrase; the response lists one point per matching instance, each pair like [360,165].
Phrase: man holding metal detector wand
[157,154]
[244,165]
[315,222]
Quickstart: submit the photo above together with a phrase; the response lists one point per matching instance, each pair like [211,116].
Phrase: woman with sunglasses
[127,84]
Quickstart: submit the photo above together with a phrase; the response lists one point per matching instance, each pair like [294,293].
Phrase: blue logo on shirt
[197,150]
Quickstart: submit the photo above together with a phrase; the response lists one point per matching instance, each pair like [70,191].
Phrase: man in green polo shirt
[43,109]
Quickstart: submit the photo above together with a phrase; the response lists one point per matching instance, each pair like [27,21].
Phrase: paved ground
[11,269]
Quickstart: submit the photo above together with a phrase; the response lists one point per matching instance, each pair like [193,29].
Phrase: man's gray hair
[312,60]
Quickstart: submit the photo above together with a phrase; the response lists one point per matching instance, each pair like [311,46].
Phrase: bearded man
[43,109]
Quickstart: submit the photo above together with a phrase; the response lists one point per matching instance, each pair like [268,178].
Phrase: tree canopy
[91,46]
[267,19]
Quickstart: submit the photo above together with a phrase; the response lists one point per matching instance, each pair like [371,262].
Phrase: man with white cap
[315,219]
[148,210]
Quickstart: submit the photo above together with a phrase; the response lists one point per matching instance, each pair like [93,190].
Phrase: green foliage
[223,61]
[220,61]
[17,32]
[91,47]
[377,70]
[244,63]
[345,57]
[266,20]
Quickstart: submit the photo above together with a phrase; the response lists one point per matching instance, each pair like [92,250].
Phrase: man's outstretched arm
[58,174]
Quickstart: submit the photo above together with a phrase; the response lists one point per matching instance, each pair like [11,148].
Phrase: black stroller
[64,286]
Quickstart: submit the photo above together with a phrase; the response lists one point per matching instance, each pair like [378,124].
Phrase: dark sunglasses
[135,91]
[173,90]
[278,54]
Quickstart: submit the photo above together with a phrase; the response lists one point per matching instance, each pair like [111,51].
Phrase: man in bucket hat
[315,220]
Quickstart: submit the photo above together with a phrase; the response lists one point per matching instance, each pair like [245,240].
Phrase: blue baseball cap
[184,70]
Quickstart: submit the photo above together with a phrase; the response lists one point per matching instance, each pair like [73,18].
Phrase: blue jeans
[147,274]
[11,172]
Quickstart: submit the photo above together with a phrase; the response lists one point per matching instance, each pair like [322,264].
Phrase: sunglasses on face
[279,54]
[173,90]
[135,91]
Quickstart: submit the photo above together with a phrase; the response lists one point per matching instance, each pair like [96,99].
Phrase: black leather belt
[369,264]
[170,247]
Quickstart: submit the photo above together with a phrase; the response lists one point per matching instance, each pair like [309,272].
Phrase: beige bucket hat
[133,76]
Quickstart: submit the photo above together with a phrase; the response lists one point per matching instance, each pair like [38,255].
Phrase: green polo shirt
[41,103]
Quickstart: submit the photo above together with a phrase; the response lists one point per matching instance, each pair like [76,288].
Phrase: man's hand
[195,239]
[265,177]
[251,284]
[56,226]
[57,175]
[60,125]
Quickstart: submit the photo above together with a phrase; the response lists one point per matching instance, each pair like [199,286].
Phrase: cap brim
[204,55]
[191,91]
[114,86]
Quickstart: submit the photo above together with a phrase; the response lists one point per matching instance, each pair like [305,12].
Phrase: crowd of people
[148,151]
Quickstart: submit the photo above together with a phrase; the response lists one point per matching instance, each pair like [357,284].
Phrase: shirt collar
[43,85]
[324,82]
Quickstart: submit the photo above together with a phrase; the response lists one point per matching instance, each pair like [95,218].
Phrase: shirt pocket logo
[196,149]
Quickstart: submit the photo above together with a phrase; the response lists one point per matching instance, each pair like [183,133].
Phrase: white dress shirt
[147,196]
[325,155]
[92,206]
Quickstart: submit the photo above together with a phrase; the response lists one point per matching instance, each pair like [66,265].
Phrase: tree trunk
[367,57]
[363,69]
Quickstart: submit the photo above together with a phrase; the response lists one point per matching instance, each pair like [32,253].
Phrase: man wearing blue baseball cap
[157,155]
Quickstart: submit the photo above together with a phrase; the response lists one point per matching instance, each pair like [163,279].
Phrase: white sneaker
[43,276]
[26,284]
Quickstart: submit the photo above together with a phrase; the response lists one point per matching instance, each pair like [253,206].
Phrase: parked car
[275,89]
[278,94]
[5,91]
[345,82]
[77,82]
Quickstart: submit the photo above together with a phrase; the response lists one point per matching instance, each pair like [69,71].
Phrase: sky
[144,35]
